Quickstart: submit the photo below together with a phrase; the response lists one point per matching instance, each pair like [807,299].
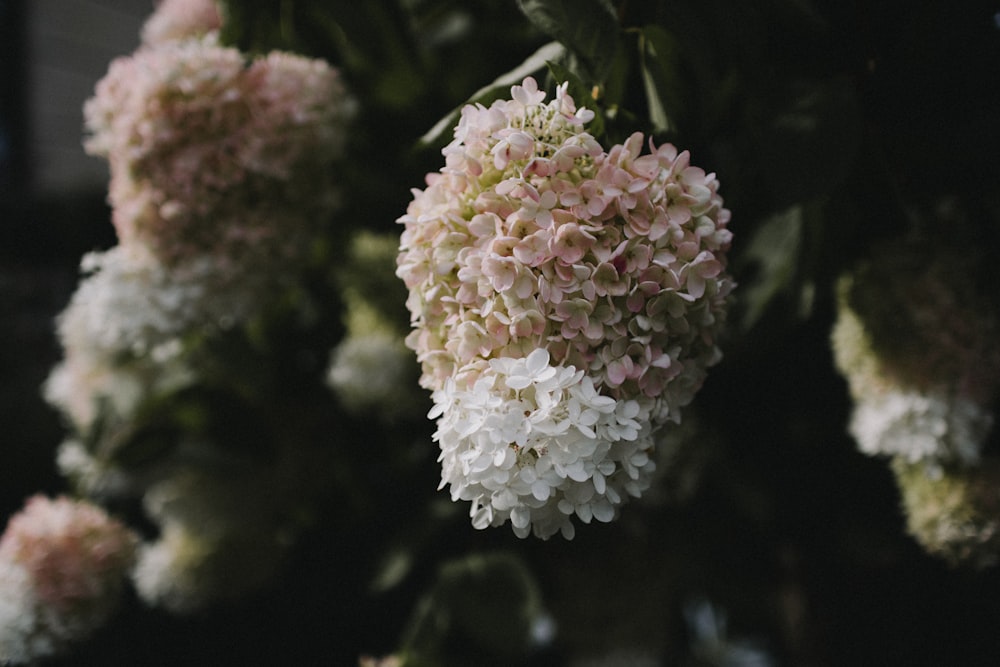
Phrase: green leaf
[773,255]
[498,88]
[479,611]
[588,28]
[659,58]
[258,26]
[811,140]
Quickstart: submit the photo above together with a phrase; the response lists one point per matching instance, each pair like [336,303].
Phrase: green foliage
[500,87]
[372,294]
[588,29]
[810,139]
[659,76]
[479,610]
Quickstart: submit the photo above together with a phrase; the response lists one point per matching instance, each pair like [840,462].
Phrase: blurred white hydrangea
[125,329]
[953,512]
[373,372]
[91,476]
[918,426]
[63,566]
[917,340]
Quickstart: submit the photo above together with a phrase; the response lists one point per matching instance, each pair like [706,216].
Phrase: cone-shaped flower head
[566,302]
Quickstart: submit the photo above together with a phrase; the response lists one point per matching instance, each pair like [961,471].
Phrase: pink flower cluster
[210,154]
[533,236]
[178,19]
[73,550]
[63,565]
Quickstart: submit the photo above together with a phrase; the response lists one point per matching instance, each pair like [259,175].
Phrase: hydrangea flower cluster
[63,565]
[221,181]
[918,348]
[178,19]
[955,512]
[128,330]
[566,302]
[211,155]
[124,331]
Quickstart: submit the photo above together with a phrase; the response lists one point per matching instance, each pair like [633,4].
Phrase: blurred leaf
[258,26]
[497,89]
[811,140]
[659,57]
[114,439]
[373,40]
[393,568]
[479,611]
[369,287]
[224,425]
[772,255]
[616,86]
[588,28]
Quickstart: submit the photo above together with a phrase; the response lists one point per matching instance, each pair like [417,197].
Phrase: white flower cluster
[125,328]
[916,338]
[536,444]
[920,426]
[953,512]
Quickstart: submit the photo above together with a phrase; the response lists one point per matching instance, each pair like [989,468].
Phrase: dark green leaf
[452,625]
[498,88]
[812,139]
[588,28]
[772,255]
[257,26]
[660,77]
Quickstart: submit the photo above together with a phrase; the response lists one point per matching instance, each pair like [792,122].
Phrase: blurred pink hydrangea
[180,19]
[63,565]
[212,155]
[533,237]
